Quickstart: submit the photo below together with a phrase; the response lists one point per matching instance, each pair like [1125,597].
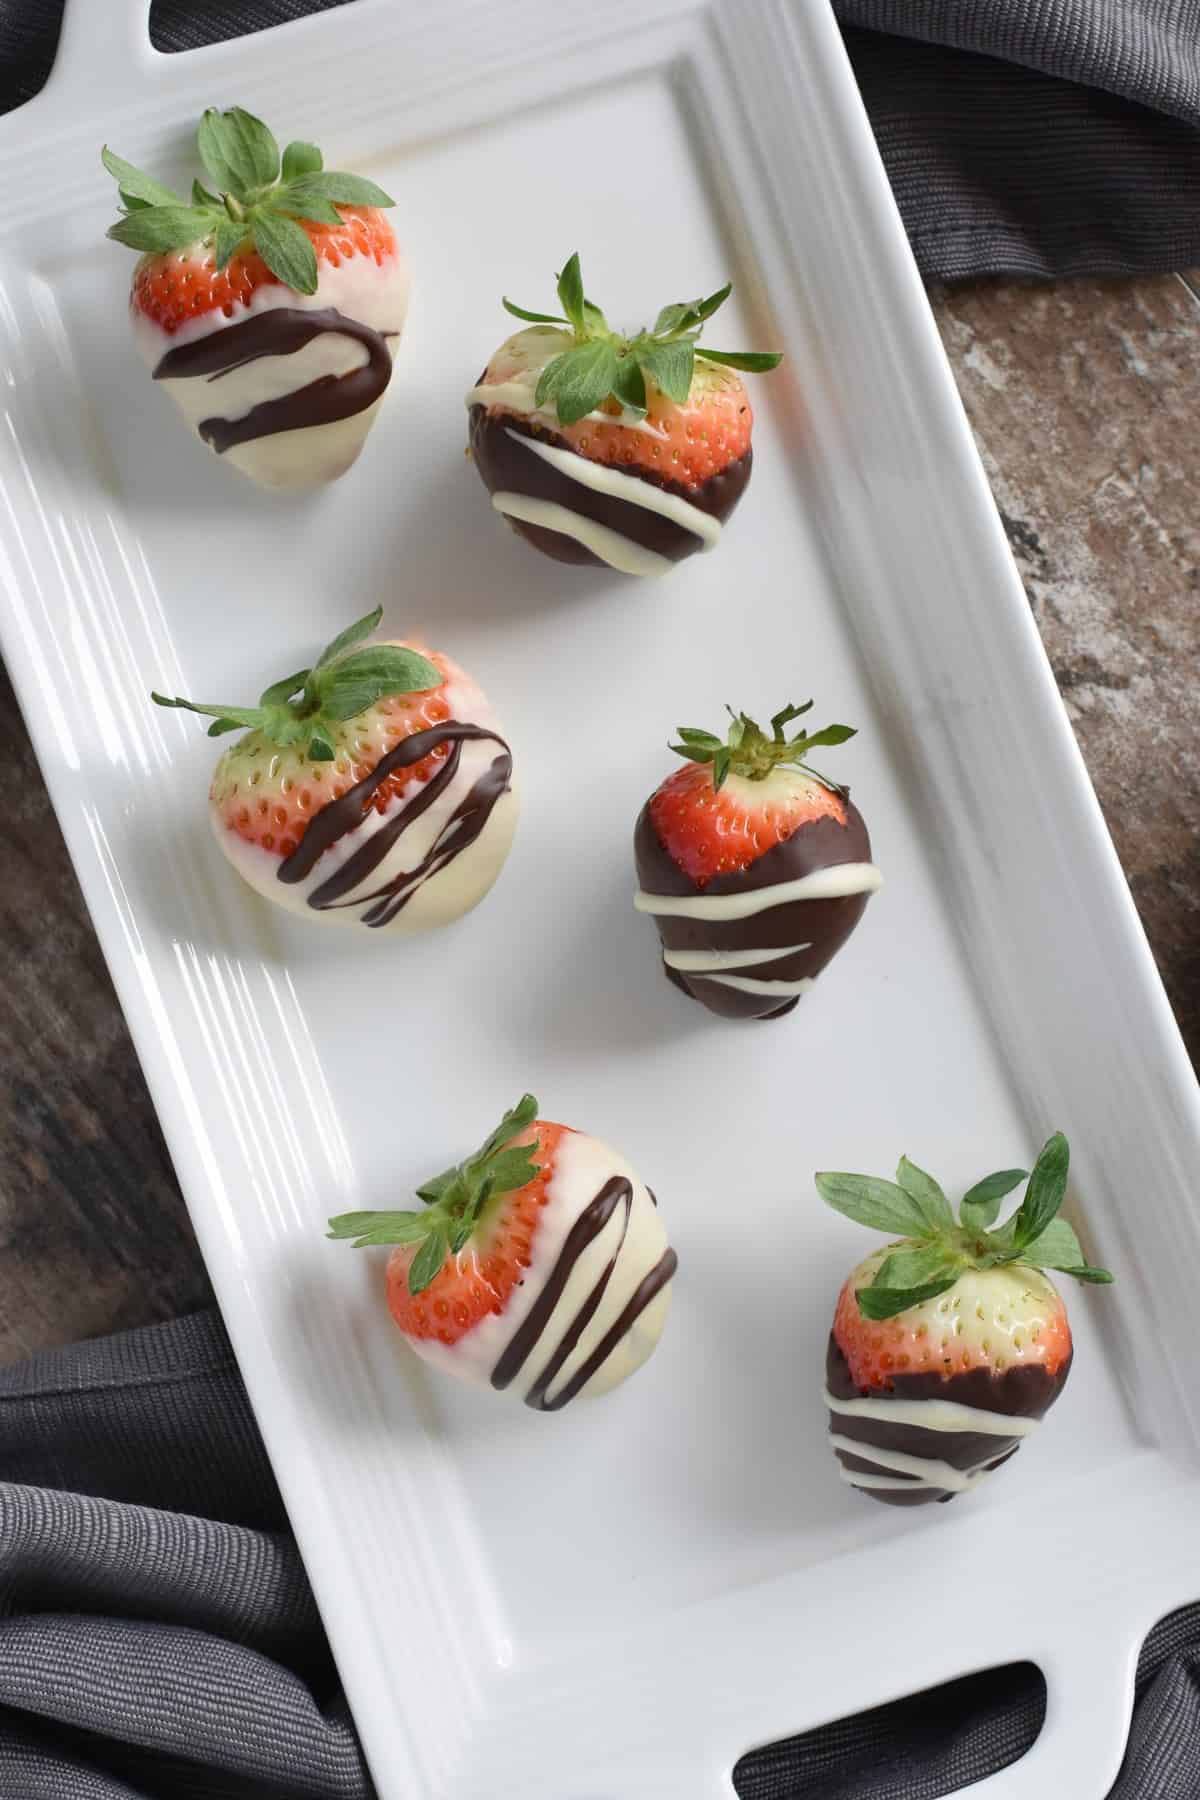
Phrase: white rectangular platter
[619,1601]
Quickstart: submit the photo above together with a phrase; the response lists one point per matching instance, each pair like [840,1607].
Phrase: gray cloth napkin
[158,1640]
[158,1637]
[1036,137]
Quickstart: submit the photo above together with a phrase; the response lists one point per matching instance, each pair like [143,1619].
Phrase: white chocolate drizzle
[712,962]
[823,884]
[748,984]
[602,478]
[610,546]
[934,1415]
[927,1471]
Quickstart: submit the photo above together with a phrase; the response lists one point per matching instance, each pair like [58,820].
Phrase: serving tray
[619,1601]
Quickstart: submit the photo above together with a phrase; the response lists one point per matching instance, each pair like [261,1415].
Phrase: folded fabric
[158,1636]
[159,1641]
[1036,137]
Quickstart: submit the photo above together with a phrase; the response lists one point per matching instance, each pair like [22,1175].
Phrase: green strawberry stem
[306,708]
[748,751]
[935,1248]
[602,364]
[455,1200]
[259,199]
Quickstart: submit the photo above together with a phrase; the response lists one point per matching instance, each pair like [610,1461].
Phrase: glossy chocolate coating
[1024,1392]
[824,925]
[282,331]
[506,467]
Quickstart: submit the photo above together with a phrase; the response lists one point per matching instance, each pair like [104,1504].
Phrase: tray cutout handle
[1089,1706]
[1080,1743]
[103,45]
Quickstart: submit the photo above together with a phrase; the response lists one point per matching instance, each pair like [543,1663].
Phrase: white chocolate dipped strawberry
[539,1266]
[372,789]
[271,309]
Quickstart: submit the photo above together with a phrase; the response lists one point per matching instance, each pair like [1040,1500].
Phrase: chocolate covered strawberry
[372,789]
[270,304]
[601,448]
[949,1345]
[755,867]
[539,1265]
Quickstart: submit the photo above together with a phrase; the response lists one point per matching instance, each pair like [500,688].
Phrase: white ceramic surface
[619,1601]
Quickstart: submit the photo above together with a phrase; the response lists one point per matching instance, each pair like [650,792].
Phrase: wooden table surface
[1085,398]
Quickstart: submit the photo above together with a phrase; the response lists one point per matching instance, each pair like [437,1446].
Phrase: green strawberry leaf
[202,197]
[354,683]
[233,718]
[920,1187]
[669,367]
[134,185]
[515,1120]
[158,228]
[379,1227]
[280,692]
[460,1235]
[907,1269]
[882,1205]
[286,250]
[570,294]
[520,312]
[885,1303]
[335,185]
[301,159]
[687,314]
[130,202]
[434,1190]
[427,1263]
[238,151]
[229,237]
[790,713]
[629,386]
[1058,1248]
[831,734]
[753,754]
[578,380]
[346,640]
[319,747]
[511,1168]
[755,362]
[305,206]
[979,1205]
[1045,1193]
[671,318]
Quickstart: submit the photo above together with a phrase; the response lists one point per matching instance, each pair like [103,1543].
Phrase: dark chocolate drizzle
[340,817]
[281,331]
[824,925]
[1025,1391]
[507,467]
[618,1191]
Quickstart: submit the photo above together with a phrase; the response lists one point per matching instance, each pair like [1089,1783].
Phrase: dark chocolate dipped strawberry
[755,868]
[600,448]
[950,1345]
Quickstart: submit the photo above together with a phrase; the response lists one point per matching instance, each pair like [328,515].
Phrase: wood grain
[1085,399]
